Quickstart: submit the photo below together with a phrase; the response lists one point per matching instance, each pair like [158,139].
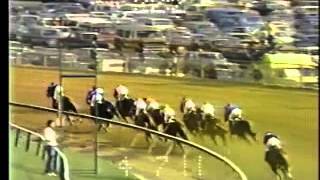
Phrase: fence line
[64,166]
[131,126]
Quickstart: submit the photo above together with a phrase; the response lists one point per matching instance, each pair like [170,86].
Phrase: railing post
[38,147]
[17,138]
[43,153]
[28,141]
[61,170]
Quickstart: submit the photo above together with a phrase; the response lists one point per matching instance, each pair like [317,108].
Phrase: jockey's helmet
[100,90]
[149,99]
[268,133]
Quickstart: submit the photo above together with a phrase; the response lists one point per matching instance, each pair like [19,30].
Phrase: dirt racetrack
[291,113]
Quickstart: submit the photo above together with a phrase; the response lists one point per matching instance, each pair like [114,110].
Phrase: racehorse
[104,110]
[126,108]
[213,128]
[68,106]
[207,125]
[241,128]
[278,164]
[192,121]
[158,118]
[174,128]
[144,120]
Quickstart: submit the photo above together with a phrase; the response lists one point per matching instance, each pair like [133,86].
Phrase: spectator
[51,142]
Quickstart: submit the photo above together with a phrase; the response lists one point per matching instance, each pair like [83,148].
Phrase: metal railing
[211,153]
[62,167]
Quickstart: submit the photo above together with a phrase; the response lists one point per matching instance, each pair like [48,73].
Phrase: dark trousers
[51,159]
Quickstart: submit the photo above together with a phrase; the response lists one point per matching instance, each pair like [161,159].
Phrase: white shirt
[169,111]
[237,112]
[122,90]
[51,136]
[153,105]
[58,91]
[273,142]
[208,109]
[140,104]
[96,98]
[189,105]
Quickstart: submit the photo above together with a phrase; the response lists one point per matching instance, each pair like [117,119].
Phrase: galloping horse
[68,106]
[278,164]
[213,128]
[158,118]
[143,119]
[105,110]
[192,121]
[241,128]
[126,108]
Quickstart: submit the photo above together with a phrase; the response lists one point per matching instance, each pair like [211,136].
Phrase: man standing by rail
[51,142]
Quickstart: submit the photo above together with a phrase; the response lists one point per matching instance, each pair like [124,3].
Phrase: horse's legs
[134,139]
[213,137]
[252,134]
[152,145]
[224,139]
[244,137]
[172,145]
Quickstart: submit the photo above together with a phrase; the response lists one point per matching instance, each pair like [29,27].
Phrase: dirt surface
[281,110]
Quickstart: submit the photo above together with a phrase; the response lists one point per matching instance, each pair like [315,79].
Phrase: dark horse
[144,120]
[158,118]
[207,125]
[126,108]
[174,128]
[213,128]
[193,122]
[104,110]
[68,106]
[278,163]
[241,128]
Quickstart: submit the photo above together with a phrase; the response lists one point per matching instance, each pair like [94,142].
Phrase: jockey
[141,106]
[168,112]
[152,104]
[58,93]
[235,115]
[50,94]
[90,94]
[189,105]
[271,140]
[207,109]
[97,97]
[228,109]
[120,92]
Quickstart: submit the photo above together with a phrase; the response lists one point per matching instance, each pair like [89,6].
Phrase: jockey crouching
[189,106]
[235,116]
[272,142]
[120,92]
[141,106]
[207,110]
[90,94]
[97,98]
[57,96]
[168,113]
[152,104]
